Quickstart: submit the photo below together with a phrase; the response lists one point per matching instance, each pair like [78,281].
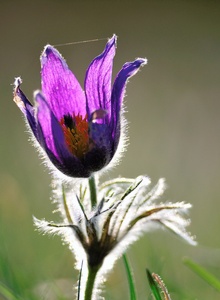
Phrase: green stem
[92,188]
[92,272]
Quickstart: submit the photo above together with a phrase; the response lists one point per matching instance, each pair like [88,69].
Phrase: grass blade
[79,282]
[153,286]
[203,273]
[130,278]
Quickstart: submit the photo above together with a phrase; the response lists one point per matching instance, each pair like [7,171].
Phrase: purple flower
[79,130]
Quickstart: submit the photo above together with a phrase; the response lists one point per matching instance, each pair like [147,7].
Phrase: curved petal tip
[50,51]
[17,82]
[113,40]
[143,61]
[47,49]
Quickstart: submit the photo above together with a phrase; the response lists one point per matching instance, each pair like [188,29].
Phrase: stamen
[76,132]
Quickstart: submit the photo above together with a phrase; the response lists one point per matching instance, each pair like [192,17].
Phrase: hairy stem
[92,272]
[93,193]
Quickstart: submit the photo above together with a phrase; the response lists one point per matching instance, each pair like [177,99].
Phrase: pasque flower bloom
[78,130]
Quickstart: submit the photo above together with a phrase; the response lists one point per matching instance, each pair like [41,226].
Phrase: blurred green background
[173,111]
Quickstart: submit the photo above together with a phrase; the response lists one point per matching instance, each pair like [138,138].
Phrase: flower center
[76,132]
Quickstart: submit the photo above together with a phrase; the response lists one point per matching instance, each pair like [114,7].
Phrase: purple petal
[60,87]
[24,104]
[52,135]
[51,138]
[98,80]
[118,91]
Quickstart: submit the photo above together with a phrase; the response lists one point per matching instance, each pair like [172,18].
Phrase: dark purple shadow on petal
[74,168]
[59,86]
[50,155]
[118,91]
[25,106]
[101,136]
[96,159]
[47,121]
[98,80]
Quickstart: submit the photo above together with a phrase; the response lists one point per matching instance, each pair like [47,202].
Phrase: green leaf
[153,286]
[203,273]
[79,282]
[130,278]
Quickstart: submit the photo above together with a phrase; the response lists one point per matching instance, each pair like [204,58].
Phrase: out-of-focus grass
[203,273]
[16,283]
[6,293]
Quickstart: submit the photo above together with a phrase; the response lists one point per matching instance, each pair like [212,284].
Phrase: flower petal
[52,139]
[52,134]
[60,87]
[24,105]
[98,80]
[129,69]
